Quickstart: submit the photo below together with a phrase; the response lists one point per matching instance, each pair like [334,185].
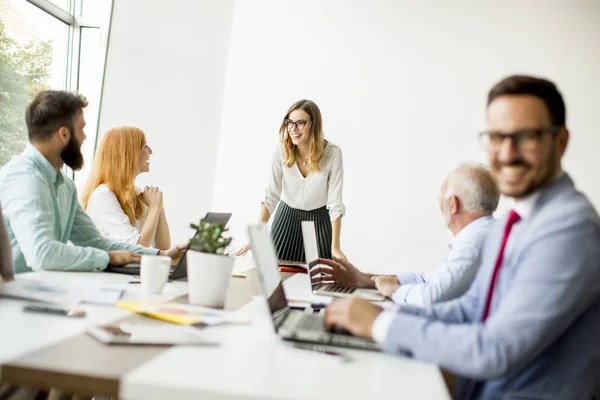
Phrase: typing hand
[174,252]
[341,272]
[353,314]
[122,257]
[386,284]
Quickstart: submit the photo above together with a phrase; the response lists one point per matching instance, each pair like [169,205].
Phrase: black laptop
[180,270]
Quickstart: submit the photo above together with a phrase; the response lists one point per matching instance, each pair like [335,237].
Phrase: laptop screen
[267,267]
[309,236]
[311,252]
[217,218]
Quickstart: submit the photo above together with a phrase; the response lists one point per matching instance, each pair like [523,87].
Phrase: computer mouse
[340,330]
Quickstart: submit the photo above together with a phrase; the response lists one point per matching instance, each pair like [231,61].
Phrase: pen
[134,282]
[344,357]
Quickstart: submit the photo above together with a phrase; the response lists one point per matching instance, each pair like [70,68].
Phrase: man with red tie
[529,325]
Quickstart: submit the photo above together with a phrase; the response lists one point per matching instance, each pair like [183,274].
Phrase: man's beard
[71,154]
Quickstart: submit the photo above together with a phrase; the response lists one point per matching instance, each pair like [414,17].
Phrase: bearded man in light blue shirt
[39,201]
[467,200]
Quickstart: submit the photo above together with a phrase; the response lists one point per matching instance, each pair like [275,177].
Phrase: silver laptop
[311,252]
[293,325]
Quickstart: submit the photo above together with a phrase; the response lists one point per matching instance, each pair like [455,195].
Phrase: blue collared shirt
[42,214]
[454,276]
[540,339]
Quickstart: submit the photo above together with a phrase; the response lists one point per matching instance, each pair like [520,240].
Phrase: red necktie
[513,218]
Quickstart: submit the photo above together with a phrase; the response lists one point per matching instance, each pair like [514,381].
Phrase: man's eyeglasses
[300,124]
[523,140]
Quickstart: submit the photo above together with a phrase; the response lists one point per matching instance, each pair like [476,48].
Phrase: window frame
[76,23]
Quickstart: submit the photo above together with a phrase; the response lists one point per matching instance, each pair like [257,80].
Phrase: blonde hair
[317,137]
[116,166]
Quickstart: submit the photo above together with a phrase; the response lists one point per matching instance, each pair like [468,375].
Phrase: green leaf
[209,238]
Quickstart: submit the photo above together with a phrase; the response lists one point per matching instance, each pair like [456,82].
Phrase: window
[50,44]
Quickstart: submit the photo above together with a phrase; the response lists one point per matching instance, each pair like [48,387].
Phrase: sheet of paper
[54,293]
[61,293]
[102,295]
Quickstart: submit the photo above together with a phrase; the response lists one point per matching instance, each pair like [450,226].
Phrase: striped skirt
[287,232]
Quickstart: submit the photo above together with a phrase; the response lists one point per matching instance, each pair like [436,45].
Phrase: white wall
[402,88]
[165,73]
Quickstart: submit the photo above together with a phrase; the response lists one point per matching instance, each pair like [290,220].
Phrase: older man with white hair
[467,200]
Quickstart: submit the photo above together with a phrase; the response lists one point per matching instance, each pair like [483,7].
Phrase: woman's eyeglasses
[300,124]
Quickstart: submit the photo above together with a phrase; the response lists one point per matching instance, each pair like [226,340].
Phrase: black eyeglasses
[300,124]
[523,140]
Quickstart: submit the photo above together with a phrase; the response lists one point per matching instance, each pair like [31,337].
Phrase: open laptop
[293,325]
[311,252]
[180,270]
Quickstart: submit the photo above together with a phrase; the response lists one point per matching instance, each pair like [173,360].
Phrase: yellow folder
[183,314]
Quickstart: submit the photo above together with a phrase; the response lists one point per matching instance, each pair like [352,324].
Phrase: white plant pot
[208,278]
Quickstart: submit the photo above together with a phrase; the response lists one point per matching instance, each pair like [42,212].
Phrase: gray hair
[474,186]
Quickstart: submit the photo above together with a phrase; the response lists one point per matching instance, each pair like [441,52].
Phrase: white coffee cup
[154,273]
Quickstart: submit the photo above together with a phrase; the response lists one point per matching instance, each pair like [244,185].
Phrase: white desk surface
[253,363]
[24,332]
[250,363]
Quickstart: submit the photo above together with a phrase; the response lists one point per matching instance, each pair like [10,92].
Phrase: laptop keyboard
[311,322]
[352,341]
[311,328]
[339,289]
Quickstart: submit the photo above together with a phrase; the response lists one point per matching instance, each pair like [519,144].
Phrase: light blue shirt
[541,337]
[42,214]
[454,276]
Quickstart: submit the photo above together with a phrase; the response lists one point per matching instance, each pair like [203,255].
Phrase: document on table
[60,293]
[102,295]
[45,292]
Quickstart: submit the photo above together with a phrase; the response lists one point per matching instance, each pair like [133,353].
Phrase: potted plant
[208,268]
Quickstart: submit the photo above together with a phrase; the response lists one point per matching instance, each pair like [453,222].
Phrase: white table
[253,363]
[250,363]
[25,332]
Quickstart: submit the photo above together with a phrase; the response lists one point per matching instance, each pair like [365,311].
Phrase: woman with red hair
[120,210]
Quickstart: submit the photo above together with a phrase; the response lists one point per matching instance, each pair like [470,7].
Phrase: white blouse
[106,212]
[318,189]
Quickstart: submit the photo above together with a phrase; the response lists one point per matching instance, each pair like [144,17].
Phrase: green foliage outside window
[24,71]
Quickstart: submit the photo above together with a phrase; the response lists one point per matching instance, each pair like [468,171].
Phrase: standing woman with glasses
[306,181]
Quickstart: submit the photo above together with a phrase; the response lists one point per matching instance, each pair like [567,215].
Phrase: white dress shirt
[106,212]
[454,276]
[318,189]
